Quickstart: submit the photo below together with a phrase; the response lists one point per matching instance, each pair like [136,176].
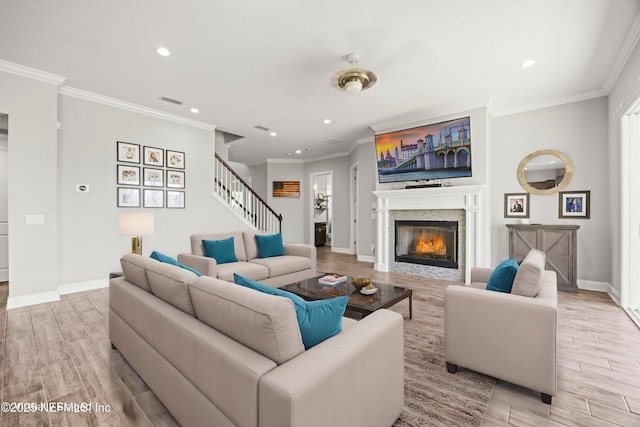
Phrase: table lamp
[136,224]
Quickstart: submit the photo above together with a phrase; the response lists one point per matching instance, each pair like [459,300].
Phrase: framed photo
[516,205]
[286,188]
[175,179]
[127,152]
[128,175]
[128,197]
[153,156]
[175,159]
[574,204]
[153,198]
[175,199]
[153,177]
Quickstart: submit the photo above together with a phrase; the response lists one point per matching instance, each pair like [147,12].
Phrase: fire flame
[433,245]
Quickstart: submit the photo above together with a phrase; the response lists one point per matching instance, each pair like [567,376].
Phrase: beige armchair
[507,336]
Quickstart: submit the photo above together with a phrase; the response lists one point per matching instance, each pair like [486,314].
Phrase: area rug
[434,397]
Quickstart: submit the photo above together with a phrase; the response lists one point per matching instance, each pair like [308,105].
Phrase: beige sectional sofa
[507,336]
[218,354]
[298,263]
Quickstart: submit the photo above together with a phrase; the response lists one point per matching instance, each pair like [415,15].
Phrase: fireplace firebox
[427,242]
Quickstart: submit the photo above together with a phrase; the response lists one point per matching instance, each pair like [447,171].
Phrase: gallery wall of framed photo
[149,177]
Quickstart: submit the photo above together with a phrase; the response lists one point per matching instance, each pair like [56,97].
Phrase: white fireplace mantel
[471,198]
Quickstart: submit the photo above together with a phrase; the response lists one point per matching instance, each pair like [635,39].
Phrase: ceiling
[269,63]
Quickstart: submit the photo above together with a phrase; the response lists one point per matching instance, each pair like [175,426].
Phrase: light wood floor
[60,352]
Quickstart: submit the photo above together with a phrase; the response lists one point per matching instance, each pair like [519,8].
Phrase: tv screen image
[436,151]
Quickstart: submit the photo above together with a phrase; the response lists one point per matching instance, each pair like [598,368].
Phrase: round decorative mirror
[545,172]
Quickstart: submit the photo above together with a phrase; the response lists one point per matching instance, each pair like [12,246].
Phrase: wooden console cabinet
[557,241]
[321,233]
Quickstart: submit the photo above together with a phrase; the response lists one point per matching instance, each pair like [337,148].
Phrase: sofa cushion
[279,266]
[134,269]
[269,245]
[248,269]
[223,251]
[528,280]
[169,283]
[265,323]
[318,320]
[169,260]
[501,279]
[250,245]
[238,243]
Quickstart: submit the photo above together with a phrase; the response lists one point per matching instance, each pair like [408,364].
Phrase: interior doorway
[4,198]
[321,208]
[630,215]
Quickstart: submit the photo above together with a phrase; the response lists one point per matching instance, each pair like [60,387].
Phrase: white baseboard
[83,286]
[33,299]
[341,250]
[41,298]
[591,285]
[615,295]
[366,258]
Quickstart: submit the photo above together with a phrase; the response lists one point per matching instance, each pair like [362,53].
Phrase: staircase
[241,199]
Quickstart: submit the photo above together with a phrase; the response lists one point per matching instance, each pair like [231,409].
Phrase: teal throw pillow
[501,280]
[168,260]
[269,245]
[223,251]
[317,320]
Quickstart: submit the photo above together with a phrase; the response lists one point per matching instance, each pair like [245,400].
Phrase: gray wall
[578,129]
[291,208]
[32,106]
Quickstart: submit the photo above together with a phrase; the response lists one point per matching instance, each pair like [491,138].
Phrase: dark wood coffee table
[386,296]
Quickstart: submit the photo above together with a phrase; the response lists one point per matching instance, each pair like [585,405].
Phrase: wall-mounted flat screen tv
[436,151]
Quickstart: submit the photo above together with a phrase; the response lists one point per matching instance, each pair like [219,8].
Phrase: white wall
[32,106]
[291,208]
[365,155]
[578,129]
[4,208]
[624,92]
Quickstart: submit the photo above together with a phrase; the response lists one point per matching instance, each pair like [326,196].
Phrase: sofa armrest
[481,274]
[205,265]
[507,336]
[307,251]
[322,386]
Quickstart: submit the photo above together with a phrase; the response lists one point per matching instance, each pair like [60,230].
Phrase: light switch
[35,219]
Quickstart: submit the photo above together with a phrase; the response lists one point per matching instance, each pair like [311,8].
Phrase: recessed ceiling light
[327,121]
[273,134]
[163,51]
[528,63]
[298,151]
[194,110]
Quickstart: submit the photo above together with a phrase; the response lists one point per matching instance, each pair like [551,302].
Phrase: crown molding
[128,106]
[31,73]
[365,140]
[623,56]
[549,103]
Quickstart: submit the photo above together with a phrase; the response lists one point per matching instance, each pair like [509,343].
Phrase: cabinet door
[521,242]
[558,247]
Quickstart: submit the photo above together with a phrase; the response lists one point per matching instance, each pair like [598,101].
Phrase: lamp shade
[136,224]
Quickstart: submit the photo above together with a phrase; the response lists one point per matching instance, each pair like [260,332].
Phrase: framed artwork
[175,159]
[128,175]
[516,205]
[153,177]
[128,197]
[175,179]
[175,199]
[286,188]
[153,156]
[128,153]
[574,204]
[153,198]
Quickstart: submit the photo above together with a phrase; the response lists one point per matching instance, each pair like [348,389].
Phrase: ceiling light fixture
[354,80]
[298,151]
[528,63]
[273,134]
[194,110]
[327,121]
[163,51]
